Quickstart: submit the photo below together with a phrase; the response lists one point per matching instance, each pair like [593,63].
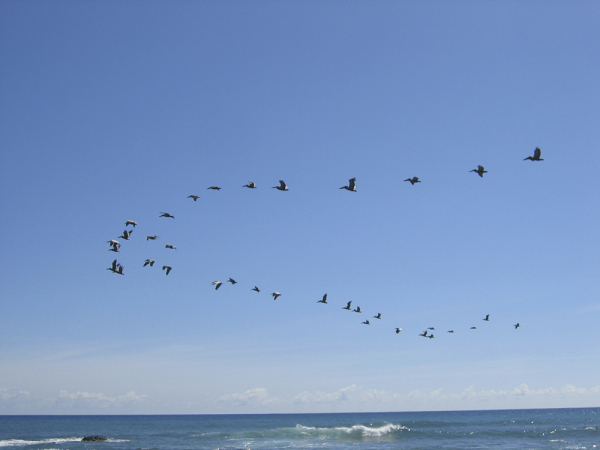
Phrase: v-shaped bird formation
[118,269]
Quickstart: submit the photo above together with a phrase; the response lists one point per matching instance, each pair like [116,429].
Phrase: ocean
[577,428]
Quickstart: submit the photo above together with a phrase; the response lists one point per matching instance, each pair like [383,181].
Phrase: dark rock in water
[95,438]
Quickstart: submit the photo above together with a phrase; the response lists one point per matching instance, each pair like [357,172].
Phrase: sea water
[506,429]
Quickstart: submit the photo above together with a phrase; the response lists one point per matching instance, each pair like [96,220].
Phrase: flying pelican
[275,295]
[398,330]
[473,328]
[430,336]
[195,197]
[232,281]
[120,269]
[323,300]
[347,306]
[413,180]
[424,333]
[131,222]
[149,261]
[217,284]
[171,247]
[450,331]
[126,234]
[167,268]
[357,309]
[115,247]
[378,316]
[431,328]
[251,185]
[487,318]
[537,153]
[366,322]
[256,289]
[152,237]
[281,187]
[164,214]
[113,267]
[113,242]
[214,188]
[351,185]
[479,171]
[517,325]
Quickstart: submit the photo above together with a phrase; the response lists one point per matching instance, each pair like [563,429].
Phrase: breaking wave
[22,443]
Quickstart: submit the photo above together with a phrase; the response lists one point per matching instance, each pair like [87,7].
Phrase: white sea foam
[360,430]
[22,443]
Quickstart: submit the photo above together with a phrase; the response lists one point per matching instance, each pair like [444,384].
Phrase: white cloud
[349,394]
[81,399]
[258,396]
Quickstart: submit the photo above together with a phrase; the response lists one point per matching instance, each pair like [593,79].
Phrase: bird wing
[537,153]
[352,184]
[282,184]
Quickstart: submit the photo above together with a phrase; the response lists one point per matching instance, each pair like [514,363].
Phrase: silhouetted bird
[113,242]
[126,234]
[195,197]
[378,316]
[214,188]
[366,322]
[281,187]
[517,325]
[152,237]
[255,289]
[115,246]
[431,328]
[275,295]
[217,284]
[232,281]
[347,306]
[149,261]
[487,318]
[171,247]
[413,180]
[398,330]
[450,331]
[430,336]
[473,328]
[113,267]
[131,222]
[351,185]
[537,153]
[167,268]
[323,300]
[164,214]
[479,171]
[424,333]
[251,185]
[357,309]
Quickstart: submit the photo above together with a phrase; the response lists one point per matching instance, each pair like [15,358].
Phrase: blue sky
[111,111]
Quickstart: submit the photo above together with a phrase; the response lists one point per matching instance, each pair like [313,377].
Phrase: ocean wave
[356,431]
[22,443]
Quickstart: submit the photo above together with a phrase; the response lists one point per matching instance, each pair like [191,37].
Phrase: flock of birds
[119,269]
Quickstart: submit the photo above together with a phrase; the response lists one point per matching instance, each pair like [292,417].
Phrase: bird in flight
[195,197]
[232,281]
[126,234]
[116,268]
[115,246]
[517,325]
[347,306]
[167,268]
[131,222]
[413,180]
[351,185]
[164,214]
[282,186]
[450,331]
[275,295]
[487,318]
[251,185]
[473,328]
[479,171]
[424,333]
[398,330]
[430,336]
[217,284]
[378,316]
[366,322]
[148,261]
[214,188]
[323,300]
[152,237]
[537,153]
[357,309]
[431,328]
[256,289]
[171,247]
